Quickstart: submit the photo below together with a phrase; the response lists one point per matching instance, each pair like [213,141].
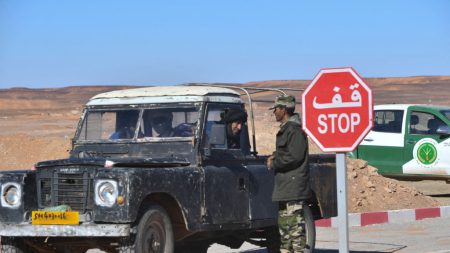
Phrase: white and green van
[409,142]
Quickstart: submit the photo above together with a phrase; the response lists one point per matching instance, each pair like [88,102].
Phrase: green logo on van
[427,153]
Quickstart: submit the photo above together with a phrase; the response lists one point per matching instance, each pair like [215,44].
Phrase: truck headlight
[11,195]
[106,192]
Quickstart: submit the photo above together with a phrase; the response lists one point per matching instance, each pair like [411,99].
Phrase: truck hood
[117,162]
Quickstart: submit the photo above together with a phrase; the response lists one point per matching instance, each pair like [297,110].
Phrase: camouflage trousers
[292,227]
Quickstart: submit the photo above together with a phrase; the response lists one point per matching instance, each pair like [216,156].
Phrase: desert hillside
[38,124]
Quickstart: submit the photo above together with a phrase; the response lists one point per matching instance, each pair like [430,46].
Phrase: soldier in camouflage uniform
[291,225]
[290,164]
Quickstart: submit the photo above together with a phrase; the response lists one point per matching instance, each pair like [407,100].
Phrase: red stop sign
[337,109]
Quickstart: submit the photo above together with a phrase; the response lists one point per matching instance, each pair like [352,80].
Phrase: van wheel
[154,232]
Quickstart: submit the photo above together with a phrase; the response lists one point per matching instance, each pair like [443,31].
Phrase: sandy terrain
[38,124]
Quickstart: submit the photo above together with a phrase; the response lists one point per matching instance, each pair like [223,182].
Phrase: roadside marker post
[337,113]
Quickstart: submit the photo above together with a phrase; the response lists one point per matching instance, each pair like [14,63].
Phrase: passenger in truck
[125,126]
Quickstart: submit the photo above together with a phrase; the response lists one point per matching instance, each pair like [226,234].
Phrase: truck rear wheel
[310,228]
[194,247]
[273,235]
[154,232]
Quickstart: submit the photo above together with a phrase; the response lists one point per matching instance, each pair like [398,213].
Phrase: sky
[54,43]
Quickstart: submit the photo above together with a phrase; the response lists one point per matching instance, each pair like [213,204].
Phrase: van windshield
[154,124]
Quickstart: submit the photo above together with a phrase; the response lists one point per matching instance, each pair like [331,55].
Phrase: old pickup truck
[126,188]
[409,142]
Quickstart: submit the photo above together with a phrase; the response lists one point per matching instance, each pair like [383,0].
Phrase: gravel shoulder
[439,190]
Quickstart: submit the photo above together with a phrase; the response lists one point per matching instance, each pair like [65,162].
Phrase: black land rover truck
[150,171]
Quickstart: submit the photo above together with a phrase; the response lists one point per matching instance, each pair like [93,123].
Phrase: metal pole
[341,176]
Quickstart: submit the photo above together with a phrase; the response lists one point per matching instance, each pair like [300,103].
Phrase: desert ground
[38,124]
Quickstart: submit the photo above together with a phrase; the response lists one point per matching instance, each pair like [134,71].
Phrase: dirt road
[439,190]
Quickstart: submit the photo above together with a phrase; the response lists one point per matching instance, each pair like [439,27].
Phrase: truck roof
[406,106]
[392,106]
[166,94]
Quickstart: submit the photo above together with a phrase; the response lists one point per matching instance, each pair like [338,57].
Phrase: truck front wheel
[14,245]
[154,232]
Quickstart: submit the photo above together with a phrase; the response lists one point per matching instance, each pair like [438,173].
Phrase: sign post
[337,113]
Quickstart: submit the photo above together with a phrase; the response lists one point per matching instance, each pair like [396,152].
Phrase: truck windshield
[446,113]
[142,124]
[388,121]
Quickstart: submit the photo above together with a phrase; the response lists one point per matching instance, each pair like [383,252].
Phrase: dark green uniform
[291,163]
[291,182]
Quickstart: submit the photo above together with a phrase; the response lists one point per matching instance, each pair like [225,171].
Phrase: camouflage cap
[284,101]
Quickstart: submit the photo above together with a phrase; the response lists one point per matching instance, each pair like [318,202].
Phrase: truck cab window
[424,123]
[212,119]
[168,122]
[109,125]
[388,121]
[235,133]
[446,113]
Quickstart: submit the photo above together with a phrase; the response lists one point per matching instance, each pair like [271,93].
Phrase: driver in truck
[161,121]
[234,119]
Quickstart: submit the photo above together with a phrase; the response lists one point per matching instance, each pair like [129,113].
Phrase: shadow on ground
[324,251]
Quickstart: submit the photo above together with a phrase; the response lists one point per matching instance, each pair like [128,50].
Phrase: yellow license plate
[55,218]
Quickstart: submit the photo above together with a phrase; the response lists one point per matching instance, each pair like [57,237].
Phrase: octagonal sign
[337,109]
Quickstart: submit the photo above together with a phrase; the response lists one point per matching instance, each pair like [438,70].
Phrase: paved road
[425,236]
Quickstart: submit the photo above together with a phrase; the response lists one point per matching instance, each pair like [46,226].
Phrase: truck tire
[154,232]
[273,236]
[273,239]
[126,245]
[197,247]
[310,228]
[14,245]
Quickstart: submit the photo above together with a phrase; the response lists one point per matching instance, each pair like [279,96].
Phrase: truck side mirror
[443,130]
[217,135]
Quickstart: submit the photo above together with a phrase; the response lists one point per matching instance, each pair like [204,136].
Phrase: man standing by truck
[290,164]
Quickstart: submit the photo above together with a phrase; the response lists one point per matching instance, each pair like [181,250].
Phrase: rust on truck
[140,187]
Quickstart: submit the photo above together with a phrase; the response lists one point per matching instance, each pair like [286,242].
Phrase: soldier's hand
[270,162]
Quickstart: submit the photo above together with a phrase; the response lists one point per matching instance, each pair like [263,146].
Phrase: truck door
[383,146]
[426,152]
[226,191]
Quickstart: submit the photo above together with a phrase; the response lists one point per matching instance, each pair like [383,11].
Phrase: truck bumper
[83,230]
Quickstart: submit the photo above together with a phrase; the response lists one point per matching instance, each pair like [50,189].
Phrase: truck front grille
[58,187]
